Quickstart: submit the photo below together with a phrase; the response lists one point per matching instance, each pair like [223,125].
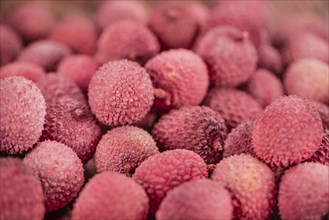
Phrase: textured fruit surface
[250,16]
[10,43]
[288,132]
[229,54]
[251,183]
[179,77]
[79,69]
[304,192]
[162,172]
[21,191]
[197,199]
[113,11]
[308,78]
[60,171]
[265,87]
[196,128]
[111,195]
[306,45]
[78,33]
[28,70]
[239,140]
[22,111]
[297,24]
[322,154]
[324,113]
[71,122]
[45,53]
[174,24]
[120,93]
[54,86]
[32,20]
[123,149]
[233,105]
[127,40]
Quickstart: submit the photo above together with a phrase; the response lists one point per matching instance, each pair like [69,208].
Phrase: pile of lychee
[175,111]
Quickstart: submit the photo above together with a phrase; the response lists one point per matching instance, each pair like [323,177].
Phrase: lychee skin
[60,171]
[22,110]
[324,113]
[229,54]
[70,121]
[233,105]
[120,93]
[54,86]
[21,191]
[79,69]
[306,45]
[308,78]
[196,128]
[127,40]
[10,43]
[162,172]
[32,20]
[45,53]
[78,33]
[174,24]
[123,149]
[111,195]
[298,24]
[197,199]
[239,140]
[288,132]
[28,70]
[265,87]
[322,154]
[113,11]
[304,192]
[180,77]
[250,16]
[251,183]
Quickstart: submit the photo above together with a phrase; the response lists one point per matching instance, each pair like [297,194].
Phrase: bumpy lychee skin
[196,128]
[306,45]
[45,53]
[239,140]
[180,77]
[21,191]
[324,113]
[230,56]
[127,40]
[123,149]
[120,93]
[22,110]
[288,132]
[251,183]
[70,121]
[78,33]
[250,16]
[113,11]
[32,20]
[111,195]
[162,172]
[298,24]
[54,86]
[304,192]
[308,78]
[265,87]
[60,171]
[79,69]
[322,154]
[10,43]
[233,105]
[174,24]
[28,70]
[197,199]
